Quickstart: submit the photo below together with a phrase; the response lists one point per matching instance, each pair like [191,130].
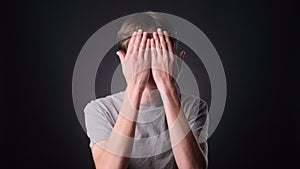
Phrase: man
[150,124]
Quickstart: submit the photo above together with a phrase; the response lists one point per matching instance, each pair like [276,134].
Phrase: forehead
[150,35]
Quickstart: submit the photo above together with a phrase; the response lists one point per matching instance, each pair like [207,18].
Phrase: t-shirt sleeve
[97,125]
[198,119]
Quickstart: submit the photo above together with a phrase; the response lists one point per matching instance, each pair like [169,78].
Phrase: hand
[165,65]
[136,63]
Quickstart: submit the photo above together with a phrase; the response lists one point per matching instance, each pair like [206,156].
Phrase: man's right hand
[136,62]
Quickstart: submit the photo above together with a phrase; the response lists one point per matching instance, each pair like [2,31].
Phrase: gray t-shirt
[152,147]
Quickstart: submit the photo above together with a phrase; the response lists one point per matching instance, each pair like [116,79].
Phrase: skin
[142,54]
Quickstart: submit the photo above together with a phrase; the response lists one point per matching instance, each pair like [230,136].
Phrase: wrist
[137,87]
[134,94]
[171,101]
[136,90]
[167,87]
[137,84]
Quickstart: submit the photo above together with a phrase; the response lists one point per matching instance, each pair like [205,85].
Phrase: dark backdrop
[256,43]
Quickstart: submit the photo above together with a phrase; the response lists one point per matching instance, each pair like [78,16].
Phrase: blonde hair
[148,22]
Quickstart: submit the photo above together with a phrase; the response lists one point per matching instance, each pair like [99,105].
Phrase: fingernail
[140,31]
[134,33]
[165,32]
[159,30]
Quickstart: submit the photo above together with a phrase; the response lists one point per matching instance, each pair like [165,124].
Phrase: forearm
[112,156]
[125,123]
[186,150]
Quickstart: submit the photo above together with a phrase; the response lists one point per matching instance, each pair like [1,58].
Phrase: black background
[256,41]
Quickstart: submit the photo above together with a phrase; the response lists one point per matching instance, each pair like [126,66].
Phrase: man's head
[148,22]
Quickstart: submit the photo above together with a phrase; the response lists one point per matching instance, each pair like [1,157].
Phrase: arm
[187,152]
[115,152]
[107,159]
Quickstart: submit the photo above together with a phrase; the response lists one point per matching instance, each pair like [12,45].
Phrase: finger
[156,41]
[153,50]
[142,45]
[169,44]
[121,55]
[137,41]
[147,51]
[161,39]
[153,53]
[131,43]
[144,41]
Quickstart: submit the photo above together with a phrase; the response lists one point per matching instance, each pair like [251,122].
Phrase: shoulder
[104,103]
[193,104]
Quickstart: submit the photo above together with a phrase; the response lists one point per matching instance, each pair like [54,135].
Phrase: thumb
[121,54]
